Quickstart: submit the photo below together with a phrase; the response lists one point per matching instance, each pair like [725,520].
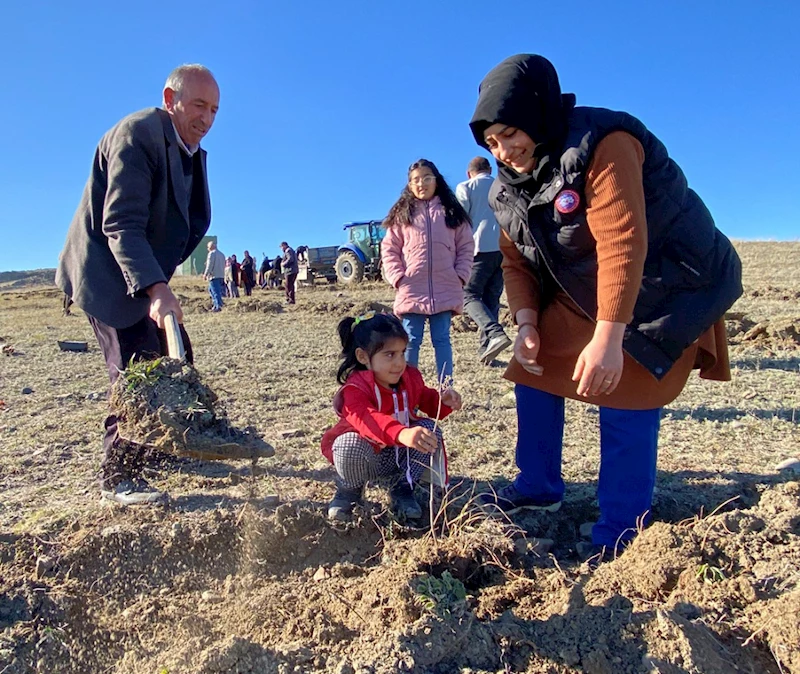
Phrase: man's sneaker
[496,344]
[341,507]
[510,501]
[135,491]
[402,502]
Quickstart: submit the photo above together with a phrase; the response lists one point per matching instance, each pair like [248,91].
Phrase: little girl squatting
[380,433]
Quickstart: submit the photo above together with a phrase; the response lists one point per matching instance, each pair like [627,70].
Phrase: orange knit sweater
[615,212]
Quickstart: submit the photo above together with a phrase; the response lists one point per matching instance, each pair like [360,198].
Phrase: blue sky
[325,104]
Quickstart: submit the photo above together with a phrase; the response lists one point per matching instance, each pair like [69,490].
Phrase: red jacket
[367,408]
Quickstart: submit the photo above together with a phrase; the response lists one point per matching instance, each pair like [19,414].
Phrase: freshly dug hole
[163,403]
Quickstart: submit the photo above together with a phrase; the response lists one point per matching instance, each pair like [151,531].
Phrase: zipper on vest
[691,269]
[503,196]
[549,267]
[429,227]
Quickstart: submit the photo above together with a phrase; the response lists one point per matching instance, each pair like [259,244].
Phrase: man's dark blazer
[135,223]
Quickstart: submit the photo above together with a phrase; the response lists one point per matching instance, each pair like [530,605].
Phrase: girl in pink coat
[427,257]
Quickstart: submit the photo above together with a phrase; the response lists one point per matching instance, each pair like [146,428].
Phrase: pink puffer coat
[427,262]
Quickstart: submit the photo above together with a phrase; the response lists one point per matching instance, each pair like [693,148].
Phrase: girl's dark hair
[368,332]
[400,213]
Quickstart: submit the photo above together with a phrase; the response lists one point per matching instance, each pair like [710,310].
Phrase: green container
[195,264]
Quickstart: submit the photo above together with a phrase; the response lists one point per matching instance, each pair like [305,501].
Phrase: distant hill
[24,279]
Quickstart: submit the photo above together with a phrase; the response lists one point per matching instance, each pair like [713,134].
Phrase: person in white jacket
[482,291]
[215,275]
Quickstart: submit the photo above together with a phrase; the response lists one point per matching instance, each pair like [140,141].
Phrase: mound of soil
[781,332]
[164,404]
[463,323]
[251,304]
[776,333]
[284,590]
[773,293]
[341,307]
[736,325]
[194,305]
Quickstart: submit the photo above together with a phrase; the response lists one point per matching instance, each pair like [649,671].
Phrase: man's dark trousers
[291,279]
[482,295]
[125,459]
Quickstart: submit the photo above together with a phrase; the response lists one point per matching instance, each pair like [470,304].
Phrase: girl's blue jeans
[440,338]
[628,451]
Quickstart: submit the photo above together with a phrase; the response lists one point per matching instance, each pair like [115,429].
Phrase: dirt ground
[242,573]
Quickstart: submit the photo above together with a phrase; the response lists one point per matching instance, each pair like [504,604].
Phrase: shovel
[175,348]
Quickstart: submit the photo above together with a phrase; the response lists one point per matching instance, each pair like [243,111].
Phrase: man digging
[144,209]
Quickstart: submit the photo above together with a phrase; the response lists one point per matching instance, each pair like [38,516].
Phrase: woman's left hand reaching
[452,399]
[599,367]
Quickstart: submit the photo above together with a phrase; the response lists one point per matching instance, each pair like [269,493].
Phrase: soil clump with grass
[163,404]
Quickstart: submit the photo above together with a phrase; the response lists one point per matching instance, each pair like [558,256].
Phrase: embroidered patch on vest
[567,201]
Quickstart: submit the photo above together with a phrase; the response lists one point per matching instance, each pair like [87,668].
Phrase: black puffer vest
[692,274]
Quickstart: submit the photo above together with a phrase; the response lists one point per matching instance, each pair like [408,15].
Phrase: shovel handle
[174,340]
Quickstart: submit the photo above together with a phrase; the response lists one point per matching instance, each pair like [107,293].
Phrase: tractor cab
[360,257]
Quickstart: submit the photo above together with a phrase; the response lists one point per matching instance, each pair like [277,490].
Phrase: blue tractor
[360,257]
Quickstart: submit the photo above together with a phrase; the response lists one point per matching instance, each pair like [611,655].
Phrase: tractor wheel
[349,269]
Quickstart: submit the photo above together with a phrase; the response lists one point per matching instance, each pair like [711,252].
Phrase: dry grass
[275,370]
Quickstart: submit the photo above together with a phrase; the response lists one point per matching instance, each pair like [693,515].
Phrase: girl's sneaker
[403,504]
[341,507]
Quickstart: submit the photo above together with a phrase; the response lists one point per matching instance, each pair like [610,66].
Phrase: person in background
[247,273]
[263,271]
[144,209]
[255,269]
[215,275]
[485,285]
[427,257]
[233,285]
[289,267]
[229,285]
[275,273]
[225,292]
[380,433]
[616,277]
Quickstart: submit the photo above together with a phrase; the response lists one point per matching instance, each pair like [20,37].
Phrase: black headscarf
[523,91]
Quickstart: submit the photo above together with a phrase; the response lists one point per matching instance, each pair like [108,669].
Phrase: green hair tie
[363,317]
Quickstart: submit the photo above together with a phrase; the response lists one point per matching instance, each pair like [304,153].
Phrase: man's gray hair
[178,77]
[479,165]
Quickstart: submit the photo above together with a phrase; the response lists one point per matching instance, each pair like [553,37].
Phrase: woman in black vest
[617,279]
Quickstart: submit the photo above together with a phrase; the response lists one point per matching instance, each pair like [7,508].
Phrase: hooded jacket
[692,274]
[367,408]
[427,262]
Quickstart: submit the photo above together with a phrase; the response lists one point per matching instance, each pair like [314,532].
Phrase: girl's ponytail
[345,330]
[349,360]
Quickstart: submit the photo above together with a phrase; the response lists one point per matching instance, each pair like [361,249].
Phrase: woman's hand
[452,399]
[526,348]
[419,438]
[599,367]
